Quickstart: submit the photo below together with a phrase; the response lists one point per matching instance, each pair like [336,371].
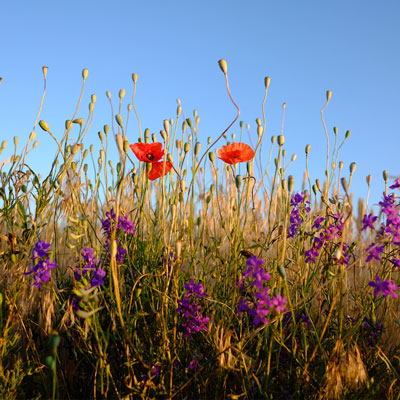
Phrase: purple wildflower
[300,204]
[373,330]
[279,302]
[194,365]
[396,184]
[374,252]
[385,287]
[88,268]
[368,222]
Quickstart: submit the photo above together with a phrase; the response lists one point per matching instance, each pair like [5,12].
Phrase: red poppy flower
[235,153]
[148,152]
[157,169]
[152,153]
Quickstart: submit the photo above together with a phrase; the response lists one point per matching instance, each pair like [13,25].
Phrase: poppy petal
[235,152]
[157,169]
[148,152]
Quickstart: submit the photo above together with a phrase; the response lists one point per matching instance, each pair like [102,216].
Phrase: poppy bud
[352,168]
[121,93]
[91,148]
[273,139]
[385,175]
[276,162]
[108,94]
[73,166]
[85,168]
[328,95]
[16,141]
[106,129]
[341,164]
[241,124]
[44,69]
[197,147]
[186,147]
[335,130]
[290,183]
[317,182]
[315,189]
[238,181]
[178,111]
[32,136]
[258,121]
[36,144]
[233,136]
[134,77]
[249,167]
[347,134]
[85,73]
[101,136]
[44,126]
[154,137]
[209,140]
[284,153]
[212,188]
[147,133]
[282,271]
[267,81]
[118,118]
[343,181]
[164,135]
[281,140]
[211,156]
[368,179]
[223,66]
[78,121]
[308,148]
[166,125]
[179,144]
[189,122]
[294,156]
[91,107]
[94,98]
[197,121]
[126,146]
[120,143]
[3,144]
[259,130]
[169,158]
[85,153]
[129,107]
[333,165]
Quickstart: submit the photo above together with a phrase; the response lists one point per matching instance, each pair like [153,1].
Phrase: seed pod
[223,66]
[85,73]
[43,124]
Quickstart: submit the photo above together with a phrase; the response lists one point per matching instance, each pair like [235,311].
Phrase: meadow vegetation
[192,270]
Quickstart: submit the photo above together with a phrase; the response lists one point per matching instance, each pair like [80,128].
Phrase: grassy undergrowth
[216,280]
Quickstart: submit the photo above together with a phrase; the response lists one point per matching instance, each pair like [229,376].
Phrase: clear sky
[306,47]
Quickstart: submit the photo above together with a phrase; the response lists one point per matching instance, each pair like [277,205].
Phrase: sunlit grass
[214,280]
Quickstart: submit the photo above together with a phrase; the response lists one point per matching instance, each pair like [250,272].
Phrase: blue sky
[307,47]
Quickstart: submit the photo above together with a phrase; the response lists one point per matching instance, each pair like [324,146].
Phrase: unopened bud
[341,164]
[106,129]
[347,134]
[343,181]
[353,166]
[44,126]
[197,148]
[267,81]
[273,138]
[211,156]
[258,121]
[164,135]
[308,148]
[368,179]
[4,144]
[121,93]
[294,156]
[36,144]
[101,136]
[315,189]
[178,144]
[241,124]
[44,69]
[281,140]
[335,130]
[178,110]
[385,175]
[78,121]
[290,183]
[118,118]
[186,147]
[166,125]
[85,168]
[259,130]
[85,73]
[120,143]
[108,94]
[32,136]
[238,181]
[129,107]
[189,122]
[154,137]
[169,158]
[328,95]
[223,66]
[94,98]
[68,124]
[134,77]
[91,107]
[16,141]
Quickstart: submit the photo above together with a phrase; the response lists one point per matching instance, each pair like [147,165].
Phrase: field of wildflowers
[177,273]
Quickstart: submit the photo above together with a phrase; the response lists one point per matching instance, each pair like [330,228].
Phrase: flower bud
[209,140]
[108,94]
[129,107]
[106,129]
[94,98]
[85,73]
[85,153]
[32,136]
[259,130]
[241,124]
[170,158]
[166,125]
[178,111]
[290,183]
[341,164]
[343,181]
[267,81]
[44,69]
[352,168]
[211,156]
[126,146]
[328,95]
[223,66]
[335,130]
[78,121]
[308,148]
[258,121]
[154,137]
[294,156]
[91,148]
[16,141]
[164,135]
[347,134]
[282,271]
[178,144]
[134,77]
[101,136]
[189,122]
[284,153]
[186,147]
[118,118]
[197,148]
[368,179]
[281,140]
[121,94]
[315,189]
[85,168]
[238,181]
[91,107]
[233,137]
[44,126]
[273,138]
[36,144]
[68,124]
[3,144]
[385,175]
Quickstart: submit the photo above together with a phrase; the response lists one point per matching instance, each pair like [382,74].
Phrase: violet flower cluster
[124,227]
[41,265]
[194,321]
[258,302]
[388,232]
[387,288]
[88,268]
[300,208]
[373,331]
[328,230]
